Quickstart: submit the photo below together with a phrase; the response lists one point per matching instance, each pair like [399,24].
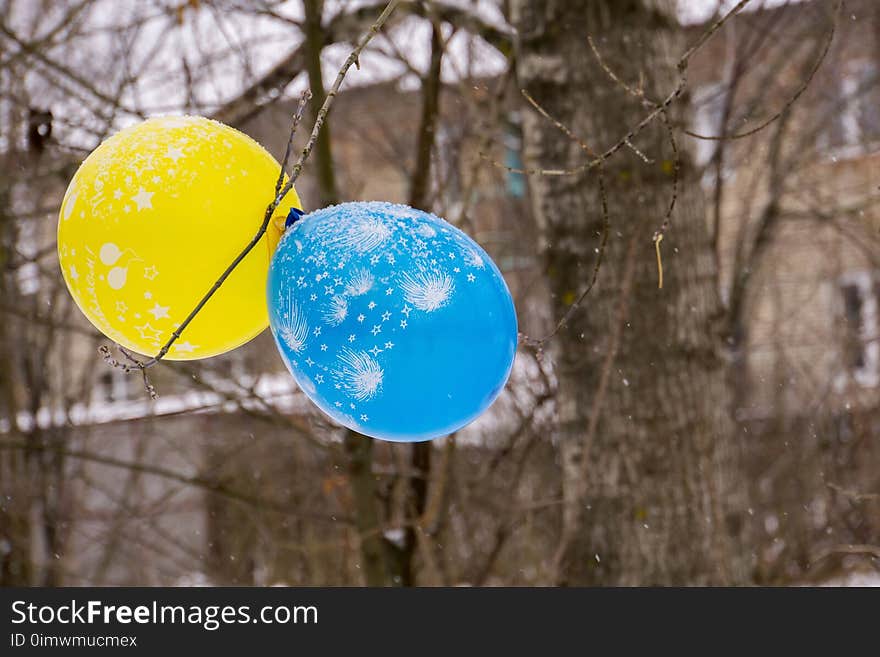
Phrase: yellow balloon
[152,218]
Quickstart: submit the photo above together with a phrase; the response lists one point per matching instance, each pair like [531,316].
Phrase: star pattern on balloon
[147,332]
[143,199]
[158,311]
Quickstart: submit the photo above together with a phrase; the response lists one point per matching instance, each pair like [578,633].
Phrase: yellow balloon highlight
[152,218]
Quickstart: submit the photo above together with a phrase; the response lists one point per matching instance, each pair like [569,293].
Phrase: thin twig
[297,117]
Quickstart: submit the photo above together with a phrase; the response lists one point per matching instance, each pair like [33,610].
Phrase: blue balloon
[395,323]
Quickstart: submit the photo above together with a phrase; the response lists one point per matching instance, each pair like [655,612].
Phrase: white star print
[143,199]
[351,338]
[314,297]
[117,194]
[185,347]
[148,295]
[374,260]
[471,278]
[376,329]
[150,272]
[364,418]
[389,345]
[389,291]
[323,347]
[174,153]
[148,332]
[319,378]
[386,316]
[451,255]
[329,289]
[309,362]
[158,311]
[403,323]
[317,331]
[456,270]
[371,305]
[121,307]
[74,275]
[406,310]
[361,318]
[375,350]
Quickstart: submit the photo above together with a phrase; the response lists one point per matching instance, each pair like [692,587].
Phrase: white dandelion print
[359,374]
[472,258]
[362,236]
[361,282]
[427,291]
[336,311]
[294,328]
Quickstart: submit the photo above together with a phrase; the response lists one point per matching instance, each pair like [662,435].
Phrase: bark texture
[647,445]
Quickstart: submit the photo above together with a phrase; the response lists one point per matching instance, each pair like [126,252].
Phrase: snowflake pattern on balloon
[294,329]
[427,291]
[351,292]
[359,374]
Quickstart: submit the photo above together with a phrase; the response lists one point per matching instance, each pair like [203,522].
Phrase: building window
[515,182]
[853,113]
[28,273]
[861,344]
[709,103]
[114,385]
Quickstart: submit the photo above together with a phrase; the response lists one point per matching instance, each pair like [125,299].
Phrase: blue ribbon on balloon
[293,216]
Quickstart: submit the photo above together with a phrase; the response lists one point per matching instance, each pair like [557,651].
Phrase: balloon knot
[293,216]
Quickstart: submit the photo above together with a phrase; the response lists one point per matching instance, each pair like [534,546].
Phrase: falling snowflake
[361,282]
[294,328]
[427,291]
[336,311]
[359,374]
[362,236]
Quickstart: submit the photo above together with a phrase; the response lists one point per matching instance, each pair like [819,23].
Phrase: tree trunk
[323,161]
[650,487]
